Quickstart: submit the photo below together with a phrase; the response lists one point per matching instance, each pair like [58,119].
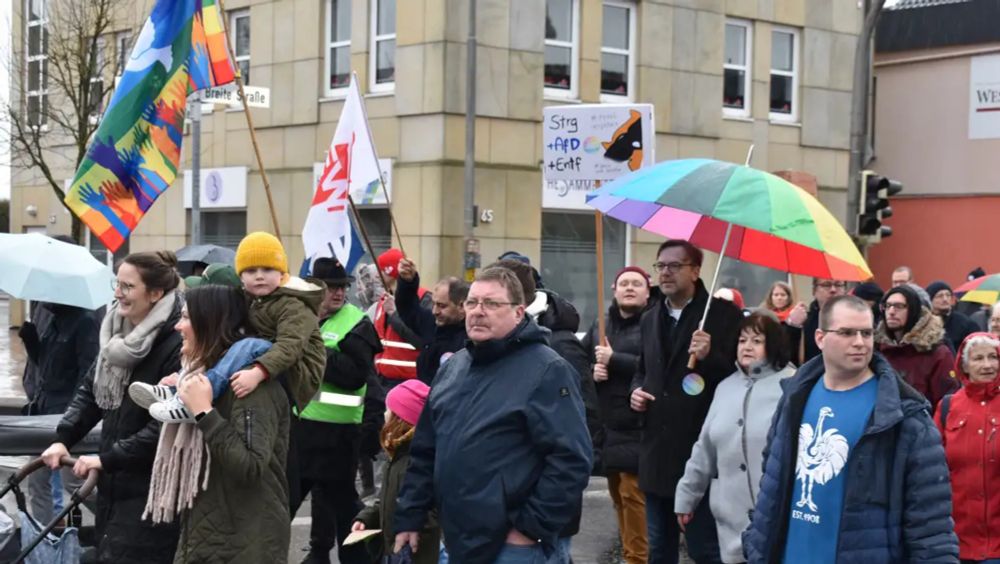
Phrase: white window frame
[237,58]
[629,52]
[330,46]
[792,117]
[574,59]
[373,42]
[42,94]
[747,69]
[99,78]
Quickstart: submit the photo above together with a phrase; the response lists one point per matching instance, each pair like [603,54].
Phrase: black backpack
[945,406]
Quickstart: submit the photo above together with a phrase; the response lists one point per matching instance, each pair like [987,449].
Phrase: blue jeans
[511,554]
[55,480]
[664,532]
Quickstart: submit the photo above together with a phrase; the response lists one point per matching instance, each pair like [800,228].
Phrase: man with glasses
[854,470]
[674,399]
[501,448]
[800,331]
[912,339]
[327,433]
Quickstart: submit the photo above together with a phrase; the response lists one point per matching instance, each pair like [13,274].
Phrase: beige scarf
[123,347]
[182,461]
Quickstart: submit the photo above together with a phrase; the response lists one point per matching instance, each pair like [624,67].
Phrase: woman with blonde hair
[404,404]
[780,300]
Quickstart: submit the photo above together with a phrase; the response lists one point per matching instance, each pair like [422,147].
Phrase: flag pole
[246,112]
[378,166]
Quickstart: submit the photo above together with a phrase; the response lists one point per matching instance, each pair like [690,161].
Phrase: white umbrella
[37,267]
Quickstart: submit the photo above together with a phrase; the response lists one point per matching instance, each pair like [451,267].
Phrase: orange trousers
[630,505]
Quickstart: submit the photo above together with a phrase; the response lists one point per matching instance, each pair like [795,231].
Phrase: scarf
[182,461]
[123,347]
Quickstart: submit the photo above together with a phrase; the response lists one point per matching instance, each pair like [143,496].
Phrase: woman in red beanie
[404,404]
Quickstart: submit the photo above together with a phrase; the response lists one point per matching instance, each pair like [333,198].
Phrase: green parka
[288,318]
[243,515]
[380,515]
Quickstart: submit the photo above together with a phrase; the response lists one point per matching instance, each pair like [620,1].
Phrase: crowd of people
[859,427]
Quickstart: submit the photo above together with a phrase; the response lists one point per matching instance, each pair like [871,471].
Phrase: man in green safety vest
[328,430]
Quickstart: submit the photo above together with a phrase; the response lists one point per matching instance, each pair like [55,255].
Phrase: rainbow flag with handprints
[135,153]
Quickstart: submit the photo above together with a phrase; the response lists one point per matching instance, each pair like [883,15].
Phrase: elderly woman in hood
[913,340]
[969,421]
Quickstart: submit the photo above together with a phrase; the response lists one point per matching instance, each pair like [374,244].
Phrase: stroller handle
[69,461]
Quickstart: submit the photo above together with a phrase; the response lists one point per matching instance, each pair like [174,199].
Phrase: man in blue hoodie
[501,448]
[854,470]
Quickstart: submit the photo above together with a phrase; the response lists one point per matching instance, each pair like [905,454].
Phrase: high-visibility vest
[398,359]
[332,404]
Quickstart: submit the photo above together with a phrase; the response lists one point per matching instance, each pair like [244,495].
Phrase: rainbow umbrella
[982,290]
[767,220]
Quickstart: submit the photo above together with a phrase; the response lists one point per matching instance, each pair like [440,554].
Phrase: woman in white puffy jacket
[728,454]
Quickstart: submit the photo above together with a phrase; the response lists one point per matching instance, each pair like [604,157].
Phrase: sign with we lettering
[984,97]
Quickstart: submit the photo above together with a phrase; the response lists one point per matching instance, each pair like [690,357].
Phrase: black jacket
[439,342]
[128,444]
[957,326]
[806,332]
[60,351]
[329,451]
[616,447]
[673,421]
[501,443]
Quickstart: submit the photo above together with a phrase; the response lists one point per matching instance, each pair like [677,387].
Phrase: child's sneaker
[171,411]
[145,395]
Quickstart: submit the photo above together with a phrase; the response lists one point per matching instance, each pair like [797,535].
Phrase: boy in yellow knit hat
[283,309]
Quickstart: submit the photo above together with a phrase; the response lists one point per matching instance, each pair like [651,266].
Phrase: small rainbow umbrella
[982,290]
[767,220]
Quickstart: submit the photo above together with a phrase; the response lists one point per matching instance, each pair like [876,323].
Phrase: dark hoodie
[921,356]
[501,444]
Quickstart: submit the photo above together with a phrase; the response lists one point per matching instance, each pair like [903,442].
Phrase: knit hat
[977,272]
[913,305]
[407,400]
[868,291]
[934,287]
[730,295]
[634,269]
[217,273]
[261,250]
[388,262]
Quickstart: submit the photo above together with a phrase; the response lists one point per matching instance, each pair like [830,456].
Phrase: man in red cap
[401,345]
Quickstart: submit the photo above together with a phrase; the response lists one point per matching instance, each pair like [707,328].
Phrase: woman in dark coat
[137,344]
[616,446]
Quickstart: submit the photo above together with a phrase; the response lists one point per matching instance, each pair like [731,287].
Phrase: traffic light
[874,204]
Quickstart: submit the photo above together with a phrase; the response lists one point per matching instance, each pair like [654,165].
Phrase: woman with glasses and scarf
[137,344]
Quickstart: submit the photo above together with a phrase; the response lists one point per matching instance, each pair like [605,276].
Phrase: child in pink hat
[404,404]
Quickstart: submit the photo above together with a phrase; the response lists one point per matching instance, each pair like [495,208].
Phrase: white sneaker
[171,411]
[145,395]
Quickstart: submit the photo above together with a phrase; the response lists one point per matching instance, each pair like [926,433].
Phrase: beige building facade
[721,74]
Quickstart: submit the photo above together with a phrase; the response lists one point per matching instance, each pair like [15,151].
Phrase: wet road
[11,359]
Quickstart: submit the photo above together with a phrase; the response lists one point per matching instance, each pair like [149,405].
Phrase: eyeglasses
[125,287]
[895,305]
[673,267]
[829,285]
[850,333]
[488,305]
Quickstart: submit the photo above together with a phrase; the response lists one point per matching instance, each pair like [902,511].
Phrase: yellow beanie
[261,250]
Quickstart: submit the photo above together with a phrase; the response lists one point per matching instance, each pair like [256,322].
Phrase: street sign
[257,96]
[596,141]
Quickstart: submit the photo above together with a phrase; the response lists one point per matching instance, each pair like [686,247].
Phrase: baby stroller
[38,543]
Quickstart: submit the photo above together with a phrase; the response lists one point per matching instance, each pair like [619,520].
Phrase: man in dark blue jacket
[501,448]
[854,470]
[442,328]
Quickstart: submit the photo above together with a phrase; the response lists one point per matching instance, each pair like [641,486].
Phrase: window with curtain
[338,42]
[383,45]
[736,80]
[561,44]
